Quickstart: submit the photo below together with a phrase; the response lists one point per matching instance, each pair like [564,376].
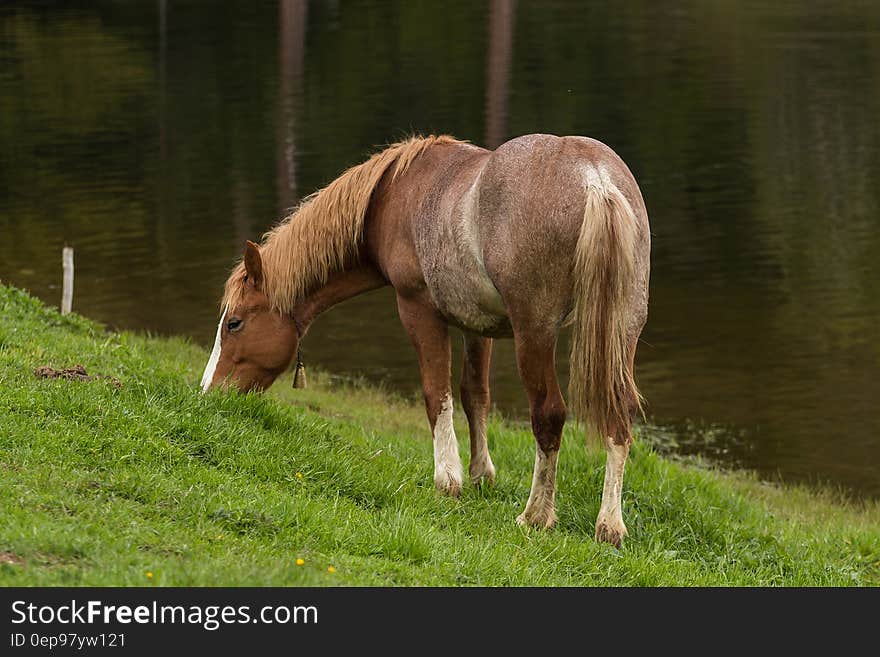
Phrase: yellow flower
[331,569]
[149,575]
[300,562]
[299,475]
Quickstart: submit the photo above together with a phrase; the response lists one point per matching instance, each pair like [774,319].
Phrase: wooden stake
[67,292]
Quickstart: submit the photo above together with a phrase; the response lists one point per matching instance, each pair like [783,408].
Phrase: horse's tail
[602,390]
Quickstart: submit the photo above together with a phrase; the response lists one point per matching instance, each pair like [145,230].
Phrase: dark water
[157,137]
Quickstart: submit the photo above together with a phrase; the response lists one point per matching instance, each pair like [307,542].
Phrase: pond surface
[156,137]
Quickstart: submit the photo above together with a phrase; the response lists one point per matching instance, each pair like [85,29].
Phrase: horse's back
[537,183]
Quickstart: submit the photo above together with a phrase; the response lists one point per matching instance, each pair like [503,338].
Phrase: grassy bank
[154,484]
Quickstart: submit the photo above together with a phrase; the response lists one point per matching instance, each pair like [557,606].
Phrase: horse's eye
[233,324]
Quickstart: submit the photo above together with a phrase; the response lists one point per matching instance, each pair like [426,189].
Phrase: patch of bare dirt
[12,559]
[75,373]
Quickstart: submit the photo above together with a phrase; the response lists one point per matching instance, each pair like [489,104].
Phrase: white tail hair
[602,389]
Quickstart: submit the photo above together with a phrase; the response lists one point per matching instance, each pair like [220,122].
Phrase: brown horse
[515,242]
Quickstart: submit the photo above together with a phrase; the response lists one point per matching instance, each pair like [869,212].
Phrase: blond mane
[323,234]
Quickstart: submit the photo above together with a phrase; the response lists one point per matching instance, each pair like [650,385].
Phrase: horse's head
[254,342]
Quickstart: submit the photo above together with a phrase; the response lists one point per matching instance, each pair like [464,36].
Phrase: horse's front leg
[475,400]
[430,336]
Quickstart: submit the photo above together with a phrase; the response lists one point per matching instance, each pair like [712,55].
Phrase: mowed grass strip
[156,484]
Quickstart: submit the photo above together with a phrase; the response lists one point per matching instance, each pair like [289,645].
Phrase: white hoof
[543,518]
[610,530]
[482,472]
[448,481]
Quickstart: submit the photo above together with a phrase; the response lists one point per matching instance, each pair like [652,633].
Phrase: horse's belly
[467,298]
[474,319]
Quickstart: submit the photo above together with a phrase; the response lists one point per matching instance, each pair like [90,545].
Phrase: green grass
[100,486]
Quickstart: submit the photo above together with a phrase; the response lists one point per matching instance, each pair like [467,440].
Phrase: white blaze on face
[208,376]
[447,463]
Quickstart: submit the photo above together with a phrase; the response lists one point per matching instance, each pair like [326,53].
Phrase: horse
[516,243]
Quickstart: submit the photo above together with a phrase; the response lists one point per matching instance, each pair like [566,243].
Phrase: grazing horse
[515,242]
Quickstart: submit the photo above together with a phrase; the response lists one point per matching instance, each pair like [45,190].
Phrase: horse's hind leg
[475,400]
[430,335]
[609,523]
[535,357]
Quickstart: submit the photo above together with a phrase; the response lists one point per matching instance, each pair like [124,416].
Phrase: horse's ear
[253,263]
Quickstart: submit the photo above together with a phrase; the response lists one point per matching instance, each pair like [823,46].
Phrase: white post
[67,292]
